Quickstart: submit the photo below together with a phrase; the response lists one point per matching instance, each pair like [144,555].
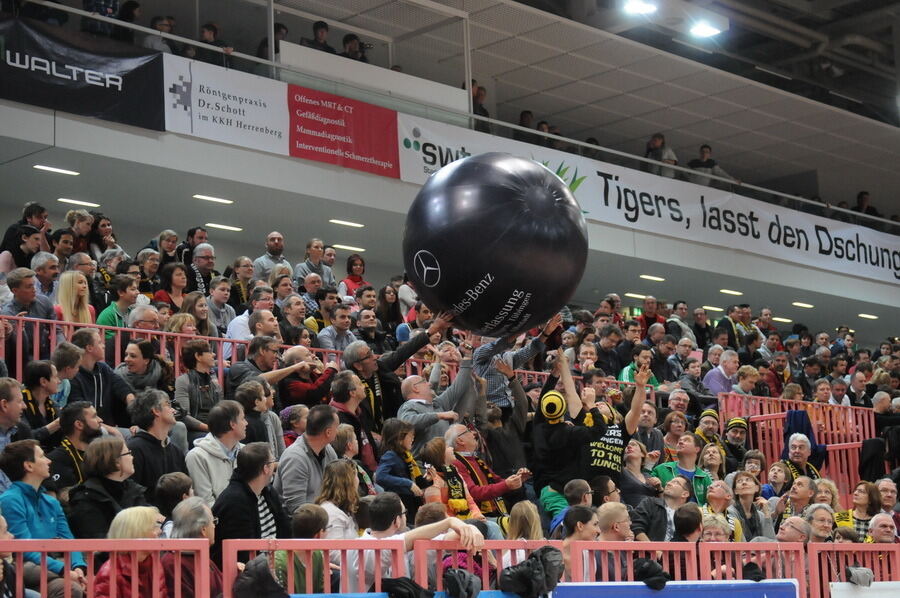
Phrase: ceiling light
[704,29]
[224,227]
[730,292]
[800,304]
[852,331]
[635,296]
[78,202]
[653,278]
[639,7]
[784,320]
[213,199]
[348,247]
[868,316]
[712,308]
[346,223]
[56,170]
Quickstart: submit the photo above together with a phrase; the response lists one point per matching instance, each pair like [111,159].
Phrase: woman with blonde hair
[196,304]
[166,243]
[711,460]
[180,323]
[524,524]
[122,568]
[73,299]
[340,499]
[81,222]
[827,493]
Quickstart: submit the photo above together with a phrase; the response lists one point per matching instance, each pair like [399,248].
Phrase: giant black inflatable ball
[498,240]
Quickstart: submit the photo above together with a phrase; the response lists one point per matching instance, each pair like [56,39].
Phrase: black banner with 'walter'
[45,66]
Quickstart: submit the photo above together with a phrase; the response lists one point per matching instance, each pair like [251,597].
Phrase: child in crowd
[293,420]
[308,523]
[398,470]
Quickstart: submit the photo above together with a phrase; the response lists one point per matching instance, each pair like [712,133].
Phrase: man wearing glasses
[383,394]
[202,269]
[262,361]
[141,317]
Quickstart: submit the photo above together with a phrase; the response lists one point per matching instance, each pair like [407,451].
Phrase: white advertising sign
[224,105]
[641,201]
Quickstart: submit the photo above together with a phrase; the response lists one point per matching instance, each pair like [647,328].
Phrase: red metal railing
[614,561]
[776,560]
[842,462]
[834,424]
[351,556]
[116,549]
[829,562]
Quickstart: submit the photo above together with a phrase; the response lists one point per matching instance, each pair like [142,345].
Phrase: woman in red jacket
[127,569]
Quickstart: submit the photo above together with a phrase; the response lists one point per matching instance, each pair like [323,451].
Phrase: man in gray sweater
[429,414]
[299,477]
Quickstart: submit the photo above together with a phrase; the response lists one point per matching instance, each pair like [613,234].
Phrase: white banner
[637,200]
[225,105]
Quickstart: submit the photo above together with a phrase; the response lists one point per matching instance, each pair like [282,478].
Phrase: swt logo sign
[434,156]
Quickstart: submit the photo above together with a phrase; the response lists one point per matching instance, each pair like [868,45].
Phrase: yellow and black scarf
[76,457]
[34,409]
[415,472]
[456,492]
[813,473]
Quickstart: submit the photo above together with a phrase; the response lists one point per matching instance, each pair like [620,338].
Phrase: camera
[366,46]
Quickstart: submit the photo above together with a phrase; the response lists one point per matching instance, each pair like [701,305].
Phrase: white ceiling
[596,84]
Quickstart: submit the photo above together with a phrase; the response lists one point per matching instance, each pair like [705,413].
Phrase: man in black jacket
[248,507]
[98,384]
[79,424]
[383,397]
[153,453]
[652,520]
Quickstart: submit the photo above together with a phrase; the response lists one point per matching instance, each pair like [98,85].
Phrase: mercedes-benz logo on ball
[427,268]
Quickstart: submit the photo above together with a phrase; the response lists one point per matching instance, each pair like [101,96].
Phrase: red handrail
[348,574]
[199,548]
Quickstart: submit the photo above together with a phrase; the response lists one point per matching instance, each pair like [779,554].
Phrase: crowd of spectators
[109,425]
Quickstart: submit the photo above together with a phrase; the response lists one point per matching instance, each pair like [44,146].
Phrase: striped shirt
[267,527]
[498,392]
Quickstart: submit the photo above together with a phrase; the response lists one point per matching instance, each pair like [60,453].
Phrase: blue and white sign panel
[782,588]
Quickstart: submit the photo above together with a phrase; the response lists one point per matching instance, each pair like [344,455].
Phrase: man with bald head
[794,529]
[432,415]
[274,256]
[307,386]
[649,316]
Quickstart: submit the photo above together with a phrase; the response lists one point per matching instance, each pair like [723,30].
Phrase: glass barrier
[382,52]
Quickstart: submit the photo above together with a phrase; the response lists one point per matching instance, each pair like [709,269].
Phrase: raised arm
[637,401]
[571,392]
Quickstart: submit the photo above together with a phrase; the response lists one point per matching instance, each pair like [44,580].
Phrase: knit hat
[709,413]
[553,406]
[736,422]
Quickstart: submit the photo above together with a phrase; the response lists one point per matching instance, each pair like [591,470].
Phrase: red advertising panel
[345,132]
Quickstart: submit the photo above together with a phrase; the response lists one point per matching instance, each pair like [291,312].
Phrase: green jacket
[702,480]
[627,375]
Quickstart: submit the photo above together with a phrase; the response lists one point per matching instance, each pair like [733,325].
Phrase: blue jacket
[34,515]
[393,474]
